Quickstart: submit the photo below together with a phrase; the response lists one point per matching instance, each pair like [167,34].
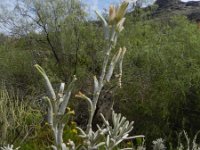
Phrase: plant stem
[101,82]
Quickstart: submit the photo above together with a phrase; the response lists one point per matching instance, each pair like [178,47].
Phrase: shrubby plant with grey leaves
[109,135]
[57,104]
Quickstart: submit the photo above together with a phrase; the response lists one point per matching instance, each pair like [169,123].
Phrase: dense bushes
[161,81]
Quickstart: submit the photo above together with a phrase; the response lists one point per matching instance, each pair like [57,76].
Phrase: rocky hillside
[168,8]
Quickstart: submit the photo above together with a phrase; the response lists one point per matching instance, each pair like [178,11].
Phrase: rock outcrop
[175,7]
[166,3]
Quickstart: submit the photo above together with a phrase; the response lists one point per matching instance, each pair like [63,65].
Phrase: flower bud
[112,14]
[120,24]
[121,11]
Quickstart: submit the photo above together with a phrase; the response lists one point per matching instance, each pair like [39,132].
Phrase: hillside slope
[175,7]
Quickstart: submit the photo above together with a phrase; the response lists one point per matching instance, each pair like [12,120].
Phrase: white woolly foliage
[9,147]
[56,108]
[159,144]
[110,135]
[190,145]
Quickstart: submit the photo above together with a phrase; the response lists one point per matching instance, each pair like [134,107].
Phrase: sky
[93,4]
[100,4]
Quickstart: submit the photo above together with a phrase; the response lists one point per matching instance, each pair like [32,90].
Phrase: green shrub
[161,77]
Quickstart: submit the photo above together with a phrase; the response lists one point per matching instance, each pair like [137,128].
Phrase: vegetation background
[161,71]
